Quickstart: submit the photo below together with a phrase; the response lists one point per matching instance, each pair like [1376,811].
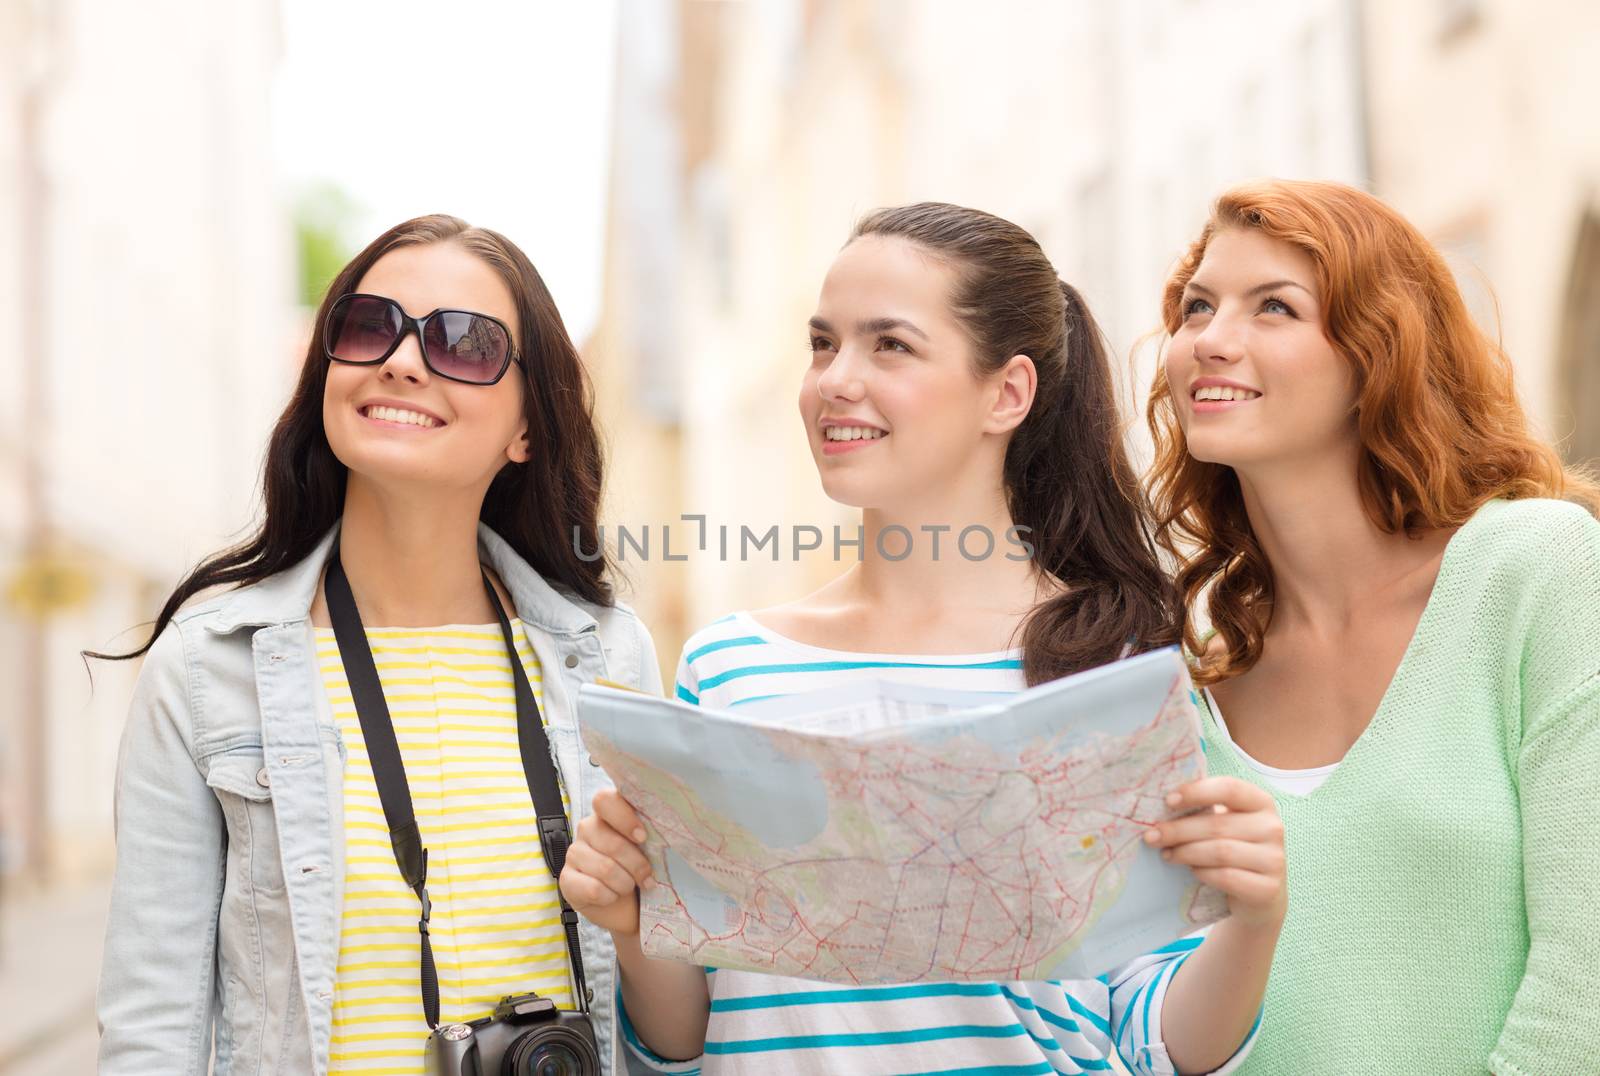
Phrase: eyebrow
[871,326]
[1271,285]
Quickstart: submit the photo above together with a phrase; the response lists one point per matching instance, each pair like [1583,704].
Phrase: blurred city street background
[179,180]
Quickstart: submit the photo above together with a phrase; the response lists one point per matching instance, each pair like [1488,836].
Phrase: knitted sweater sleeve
[1554,1023]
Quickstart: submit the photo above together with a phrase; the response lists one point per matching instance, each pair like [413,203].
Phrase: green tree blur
[323,214]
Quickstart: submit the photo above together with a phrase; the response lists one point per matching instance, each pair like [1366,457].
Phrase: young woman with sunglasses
[956,382]
[1407,644]
[438,462]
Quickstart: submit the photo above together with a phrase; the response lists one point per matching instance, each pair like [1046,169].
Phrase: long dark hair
[1067,475]
[543,508]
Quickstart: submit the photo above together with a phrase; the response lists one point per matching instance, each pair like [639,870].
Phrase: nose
[843,379]
[1220,340]
[406,363]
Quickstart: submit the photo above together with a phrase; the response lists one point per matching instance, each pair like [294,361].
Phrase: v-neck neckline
[1408,658]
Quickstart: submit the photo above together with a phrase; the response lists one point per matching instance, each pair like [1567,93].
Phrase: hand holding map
[882,832]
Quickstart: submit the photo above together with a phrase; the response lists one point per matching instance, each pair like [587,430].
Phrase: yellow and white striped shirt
[496,926]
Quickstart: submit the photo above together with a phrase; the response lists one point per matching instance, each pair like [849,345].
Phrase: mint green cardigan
[1444,882]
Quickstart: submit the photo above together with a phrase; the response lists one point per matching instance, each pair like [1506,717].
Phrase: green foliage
[323,215]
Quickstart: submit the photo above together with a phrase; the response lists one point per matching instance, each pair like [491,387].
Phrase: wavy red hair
[1442,430]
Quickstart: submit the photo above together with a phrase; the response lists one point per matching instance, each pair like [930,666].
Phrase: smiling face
[891,402]
[397,423]
[1254,379]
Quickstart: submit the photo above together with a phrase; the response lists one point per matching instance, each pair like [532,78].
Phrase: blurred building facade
[1103,128]
[146,271]
[1480,135]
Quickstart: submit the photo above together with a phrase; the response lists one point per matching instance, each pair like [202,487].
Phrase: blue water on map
[704,901]
[734,771]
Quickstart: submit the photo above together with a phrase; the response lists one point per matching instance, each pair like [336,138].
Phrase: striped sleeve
[687,684]
[641,1057]
[1138,990]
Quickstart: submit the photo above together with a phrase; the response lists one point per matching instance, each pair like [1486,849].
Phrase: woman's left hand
[1233,842]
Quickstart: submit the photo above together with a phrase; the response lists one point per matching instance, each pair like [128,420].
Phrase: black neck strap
[389,772]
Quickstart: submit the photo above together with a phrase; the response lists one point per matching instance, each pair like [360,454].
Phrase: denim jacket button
[262,779]
[572,661]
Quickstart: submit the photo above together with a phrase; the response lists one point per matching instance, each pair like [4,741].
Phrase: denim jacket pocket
[256,964]
[239,779]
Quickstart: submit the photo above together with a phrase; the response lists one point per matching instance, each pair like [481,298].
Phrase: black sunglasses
[364,330]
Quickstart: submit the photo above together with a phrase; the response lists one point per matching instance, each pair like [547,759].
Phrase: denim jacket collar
[286,597]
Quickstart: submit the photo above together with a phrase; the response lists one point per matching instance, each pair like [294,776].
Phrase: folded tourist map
[890,833]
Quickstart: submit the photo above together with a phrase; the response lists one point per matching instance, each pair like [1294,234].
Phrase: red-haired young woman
[1406,604]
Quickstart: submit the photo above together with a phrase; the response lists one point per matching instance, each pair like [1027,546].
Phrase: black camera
[526,1036]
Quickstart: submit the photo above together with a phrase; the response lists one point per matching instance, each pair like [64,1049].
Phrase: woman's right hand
[605,867]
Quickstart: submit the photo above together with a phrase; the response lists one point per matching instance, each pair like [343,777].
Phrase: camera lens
[554,1060]
[551,1051]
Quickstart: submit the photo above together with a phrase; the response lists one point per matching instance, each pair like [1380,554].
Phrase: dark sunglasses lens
[466,346]
[361,328]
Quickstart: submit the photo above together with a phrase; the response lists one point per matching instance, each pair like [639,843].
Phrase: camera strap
[389,772]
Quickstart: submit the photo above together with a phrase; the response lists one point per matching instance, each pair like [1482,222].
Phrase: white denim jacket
[223,935]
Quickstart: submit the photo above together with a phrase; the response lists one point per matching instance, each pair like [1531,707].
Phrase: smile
[1211,398]
[852,433]
[1224,393]
[399,416]
[837,440]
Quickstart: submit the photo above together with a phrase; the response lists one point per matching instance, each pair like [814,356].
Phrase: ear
[518,451]
[1013,387]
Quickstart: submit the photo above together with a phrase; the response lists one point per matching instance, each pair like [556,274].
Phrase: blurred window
[1456,18]
[1580,344]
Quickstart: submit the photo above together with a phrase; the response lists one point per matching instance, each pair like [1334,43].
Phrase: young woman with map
[956,382]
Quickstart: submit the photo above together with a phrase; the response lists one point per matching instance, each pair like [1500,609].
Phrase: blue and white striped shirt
[771,1024]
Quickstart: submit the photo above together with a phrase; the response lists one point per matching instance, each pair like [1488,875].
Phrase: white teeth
[852,433]
[1224,392]
[395,414]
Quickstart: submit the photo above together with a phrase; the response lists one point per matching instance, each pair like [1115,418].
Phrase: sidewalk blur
[49,964]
